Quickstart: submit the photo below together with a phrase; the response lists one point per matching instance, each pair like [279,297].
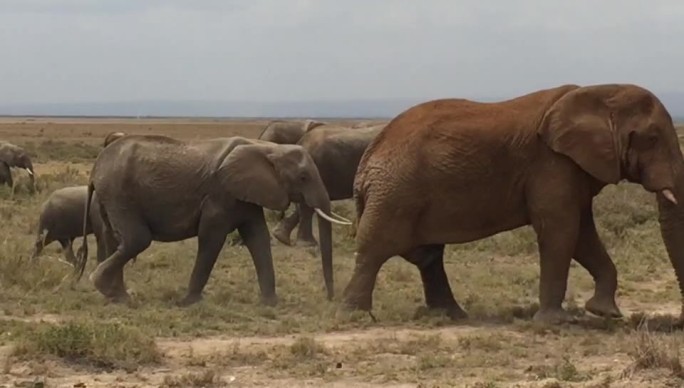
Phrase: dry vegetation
[56,333]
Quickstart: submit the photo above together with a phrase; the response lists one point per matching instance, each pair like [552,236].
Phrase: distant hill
[377,108]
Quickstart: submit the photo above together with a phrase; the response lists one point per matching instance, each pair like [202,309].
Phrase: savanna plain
[55,332]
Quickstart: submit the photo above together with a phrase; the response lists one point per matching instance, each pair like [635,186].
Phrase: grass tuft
[306,348]
[99,344]
[206,379]
[654,351]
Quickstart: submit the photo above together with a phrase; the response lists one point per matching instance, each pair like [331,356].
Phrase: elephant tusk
[667,193]
[328,218]
[29,171]
[339,217]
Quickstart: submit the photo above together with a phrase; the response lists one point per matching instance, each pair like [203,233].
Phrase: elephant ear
[248,174]
[580,125]
[6,153]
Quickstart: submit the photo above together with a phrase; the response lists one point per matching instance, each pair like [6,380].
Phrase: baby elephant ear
[248,175]
[579,125]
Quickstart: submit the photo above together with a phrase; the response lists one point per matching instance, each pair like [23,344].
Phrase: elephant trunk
[26,164]
[671,219]
[317,198]
[325,240]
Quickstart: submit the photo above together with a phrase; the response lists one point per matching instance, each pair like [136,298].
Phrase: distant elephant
[155,188]
[12,155]
[287,132]
[61,219]
[452,171]
[112,136]
[336,151]
[370,123]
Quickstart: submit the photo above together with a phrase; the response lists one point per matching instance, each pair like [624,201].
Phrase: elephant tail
[82,254]
[359,196]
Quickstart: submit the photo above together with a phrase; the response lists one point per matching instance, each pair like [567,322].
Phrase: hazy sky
[281,50]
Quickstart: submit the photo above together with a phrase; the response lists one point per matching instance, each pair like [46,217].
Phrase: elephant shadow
[522,318]
[662,323]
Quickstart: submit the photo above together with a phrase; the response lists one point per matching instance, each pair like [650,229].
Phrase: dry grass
[206,379]
[304,338]
[102,345]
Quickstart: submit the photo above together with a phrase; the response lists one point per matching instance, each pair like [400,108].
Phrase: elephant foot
[455,313]
[100,283]
[189,299]
[359,303]
[271,300]
[307,242]
[282,235]
[348,310]
[120,297]
[603,307]
[555,316]
[114,292]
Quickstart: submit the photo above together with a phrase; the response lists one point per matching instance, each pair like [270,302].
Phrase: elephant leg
[592,255]
[305,235]
[375,245]
[210,239]
[557,237]
[101,247]
[283,229]
[108,245]
[42,240]
[254,232]
[6,174]
[135,237]
[68,250]
[359,291]
[438,295]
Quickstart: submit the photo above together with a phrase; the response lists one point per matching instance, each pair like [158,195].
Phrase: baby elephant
[61,219]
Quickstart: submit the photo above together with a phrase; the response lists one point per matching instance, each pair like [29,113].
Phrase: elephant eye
[303,178]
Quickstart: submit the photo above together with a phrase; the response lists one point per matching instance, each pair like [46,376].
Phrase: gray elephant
[12,155]
[336,151]
[61,219]
[287,132]
[156,188]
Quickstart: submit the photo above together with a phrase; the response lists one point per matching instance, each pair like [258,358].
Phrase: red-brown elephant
[452,171]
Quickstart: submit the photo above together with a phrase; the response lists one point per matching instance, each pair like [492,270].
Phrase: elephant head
[15,156]
[272,176]
[111,137]
[617,132]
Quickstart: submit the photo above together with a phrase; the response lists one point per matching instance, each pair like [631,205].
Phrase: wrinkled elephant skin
[453,171]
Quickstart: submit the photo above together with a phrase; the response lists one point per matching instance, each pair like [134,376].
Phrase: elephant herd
[445,171]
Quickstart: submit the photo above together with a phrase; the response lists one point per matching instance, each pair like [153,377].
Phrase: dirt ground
[229,340]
